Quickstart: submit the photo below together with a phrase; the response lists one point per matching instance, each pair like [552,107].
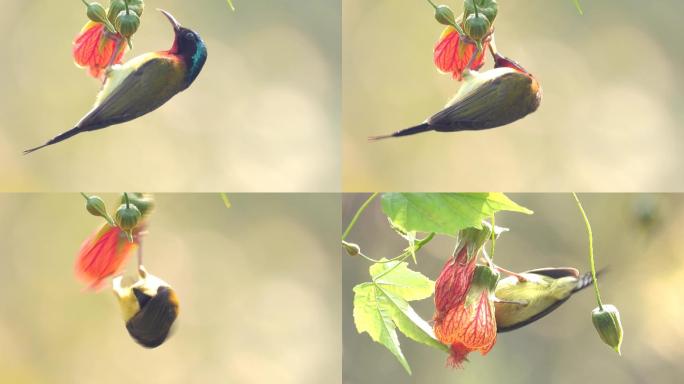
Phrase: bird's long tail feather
[56,139]
[425,127]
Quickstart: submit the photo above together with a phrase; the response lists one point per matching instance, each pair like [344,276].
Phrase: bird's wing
[152,323]
[142,90]
[483,102]
[556,273]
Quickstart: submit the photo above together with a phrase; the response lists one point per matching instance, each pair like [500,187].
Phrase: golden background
[262,116]
[611,117]
[258,286]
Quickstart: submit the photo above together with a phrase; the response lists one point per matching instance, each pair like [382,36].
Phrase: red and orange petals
[95,47]
[452,55]
[457,355]
[102,255]
[472,326]
[453,282]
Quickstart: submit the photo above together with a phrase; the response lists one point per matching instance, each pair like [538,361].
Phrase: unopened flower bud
[476,26]
[97,13]
[444,15]
[127,23]
[127,217]
[116,6]
[607,322]
[144,202]
[96,207]
[488,8]
[352,249]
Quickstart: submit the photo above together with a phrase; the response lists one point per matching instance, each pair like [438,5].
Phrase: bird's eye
[190,36]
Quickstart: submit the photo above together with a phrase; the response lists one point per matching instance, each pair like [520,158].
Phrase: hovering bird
[149,306]
[143,83]
[522,302]
[486,100]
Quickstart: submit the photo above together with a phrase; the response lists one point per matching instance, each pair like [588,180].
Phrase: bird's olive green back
[496,102]
[144,90]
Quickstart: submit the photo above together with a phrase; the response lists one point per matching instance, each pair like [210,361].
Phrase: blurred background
[637,237]
[610,119]
[259,292]
[263,114]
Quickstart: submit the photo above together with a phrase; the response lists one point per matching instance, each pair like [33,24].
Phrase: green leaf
[578,6]
[381,306]
[444,213]
[226,200]
[230,4]
[397,278]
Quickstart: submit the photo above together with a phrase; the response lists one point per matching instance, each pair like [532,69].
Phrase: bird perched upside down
[143,84]
[522,302]
[486,100]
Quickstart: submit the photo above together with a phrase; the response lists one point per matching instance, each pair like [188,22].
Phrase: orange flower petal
[473,325]
[94,47]
[453,282]
[102,255]
[451,55]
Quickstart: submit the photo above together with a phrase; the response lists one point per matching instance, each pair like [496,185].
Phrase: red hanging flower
[453,282]
[452,54]
[471,325]
[102,255]
[95,48]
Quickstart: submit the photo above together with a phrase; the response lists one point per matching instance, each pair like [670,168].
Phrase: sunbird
[143,83]
[486,100]
[149,307]
[521,302]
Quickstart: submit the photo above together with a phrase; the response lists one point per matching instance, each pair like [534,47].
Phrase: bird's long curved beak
[174,22]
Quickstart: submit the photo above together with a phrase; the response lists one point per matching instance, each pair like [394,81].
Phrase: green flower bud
[127,218]
[489,8]
[485,277]
[476,26]
[96,207]
[127,23]
[445,15]
[95,11]
[144,202]
[116,6]
[352,249]
[607,323]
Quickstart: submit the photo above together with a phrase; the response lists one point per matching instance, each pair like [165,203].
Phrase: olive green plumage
[524,302]
[143,84]
[486,100]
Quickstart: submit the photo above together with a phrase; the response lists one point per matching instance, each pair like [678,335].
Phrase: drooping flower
[452,53]
[95,48]
[453,282]
[102,255]
[471,325]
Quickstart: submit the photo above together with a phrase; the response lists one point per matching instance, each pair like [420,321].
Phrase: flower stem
[591,251]
[140,251]
[491,257]
[358,214]
[128,205]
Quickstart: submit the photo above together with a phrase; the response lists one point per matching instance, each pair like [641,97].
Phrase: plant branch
[358,214]
[591,250]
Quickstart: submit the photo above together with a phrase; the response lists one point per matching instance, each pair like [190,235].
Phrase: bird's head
[501,61]
[187,45]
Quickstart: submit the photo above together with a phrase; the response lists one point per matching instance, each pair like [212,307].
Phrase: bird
[520,302]
[486,100]
[149,306]
[143,84]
